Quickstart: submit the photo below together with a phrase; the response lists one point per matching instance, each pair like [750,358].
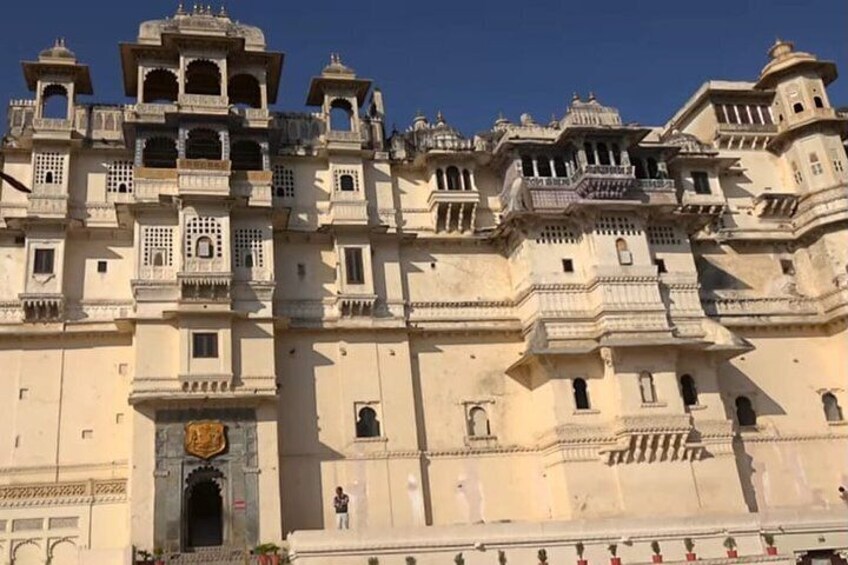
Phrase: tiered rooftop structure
[213,313]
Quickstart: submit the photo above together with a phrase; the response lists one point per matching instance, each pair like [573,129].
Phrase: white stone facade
[586,332]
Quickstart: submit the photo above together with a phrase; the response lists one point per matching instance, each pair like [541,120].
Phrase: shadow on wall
[302,454]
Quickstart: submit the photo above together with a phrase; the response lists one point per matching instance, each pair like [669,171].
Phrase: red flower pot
[159,562]
[691,557]
[582,562]
[732,553]
[656,558]
[615,560]
[771,550]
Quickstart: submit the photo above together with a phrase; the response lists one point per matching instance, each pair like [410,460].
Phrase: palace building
[584,339]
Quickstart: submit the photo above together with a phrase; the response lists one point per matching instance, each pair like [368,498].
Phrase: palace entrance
[204,510]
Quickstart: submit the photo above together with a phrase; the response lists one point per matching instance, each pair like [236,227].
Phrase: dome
[201,21]
[58,51]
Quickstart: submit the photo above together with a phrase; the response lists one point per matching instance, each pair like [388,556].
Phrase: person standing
[340,503]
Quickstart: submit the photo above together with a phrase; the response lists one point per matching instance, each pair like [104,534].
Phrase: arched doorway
[204,513]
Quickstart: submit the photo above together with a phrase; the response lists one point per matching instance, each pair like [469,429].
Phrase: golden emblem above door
[205,439]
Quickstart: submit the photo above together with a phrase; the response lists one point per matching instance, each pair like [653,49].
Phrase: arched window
[818,101]
[203,77]
[527,168]
[203,144]
[159,153]
[478,423]
[244,91]
[646,387]
[581,394]
[832,410]
[346,183]
[624,255]
[466,179]
[246,155]
[54,102]
[440,179]
[367,425]
[341,116]
[688,390]
[160,85]
[543,165]
[653,168]
[454,181]
[158,258]
[797,107]
[745,414]
[204,248]
[603,154]
[48,177]
[248,260]
[590,153]
[560,168]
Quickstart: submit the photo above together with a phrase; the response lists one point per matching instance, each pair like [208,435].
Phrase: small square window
[87,434]
[567,265]
[787,266]
[205,345]
[102,267]
[660,263]
[301,270]
[43,263]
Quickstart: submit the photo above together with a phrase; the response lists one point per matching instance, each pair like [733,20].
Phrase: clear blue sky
[469,58]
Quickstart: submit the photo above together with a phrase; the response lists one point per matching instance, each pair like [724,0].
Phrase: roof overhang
[321,84]
[82,77]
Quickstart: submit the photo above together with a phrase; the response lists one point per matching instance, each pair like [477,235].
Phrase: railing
[194,265]
[204,165]
[252,113]
[344,136]
[655,185]
[52,124]
[747,128]
[203,100]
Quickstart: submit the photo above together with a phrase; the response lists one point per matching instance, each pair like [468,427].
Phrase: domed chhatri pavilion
[571,342]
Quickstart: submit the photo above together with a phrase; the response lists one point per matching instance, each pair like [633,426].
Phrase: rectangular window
[101,266]
[661,268]
[354,272]
[204,345]
[567,266]
[43,264]
[787,266]
[720,115]
[701,180]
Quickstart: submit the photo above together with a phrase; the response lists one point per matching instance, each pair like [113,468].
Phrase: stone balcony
[453,211]
[255,186]
[776,205]
[43,307]
[204,104]
[149,113]
[149,184]
[351,305]
[252,117]
[347,209]
[201,386]
[702,204]
[352,138]
[52,128]
[203,177]
[603,182]
[48,201]
[205,280]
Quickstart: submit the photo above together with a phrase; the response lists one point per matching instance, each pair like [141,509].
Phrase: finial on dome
[591,96]
[781,48]
[223,11]
[575,97]
[180,9]
[440,118]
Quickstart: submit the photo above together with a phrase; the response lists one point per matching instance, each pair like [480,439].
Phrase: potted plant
[501,557]
[580,548]
[690,549]
[613,550]
[770,548]
[411,560]
[730,545]
[373,561]
[543,557]
[268,553]
[143,557]
[459,559]
[657,556]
